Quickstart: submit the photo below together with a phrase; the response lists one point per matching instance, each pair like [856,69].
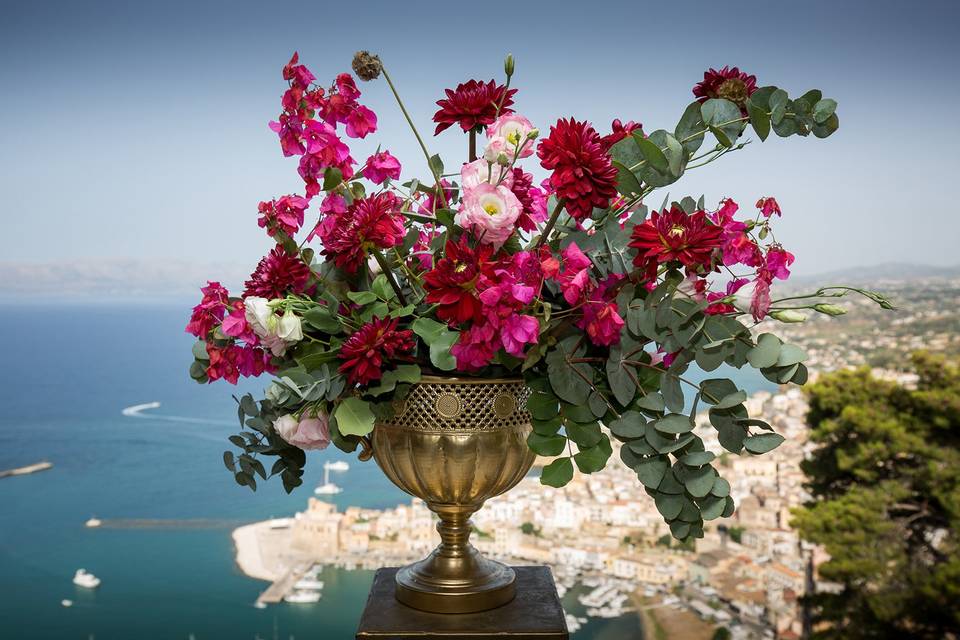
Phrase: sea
[157,481]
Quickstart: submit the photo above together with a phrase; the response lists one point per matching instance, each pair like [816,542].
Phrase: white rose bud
[289,329]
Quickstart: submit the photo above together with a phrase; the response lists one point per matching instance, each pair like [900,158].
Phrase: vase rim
[463,380]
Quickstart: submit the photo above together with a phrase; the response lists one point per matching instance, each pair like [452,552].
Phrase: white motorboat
[308,584]
[93,522]
[66,603]
[328,488]
[337,465]
[87,580]
[302,597]
[259,605]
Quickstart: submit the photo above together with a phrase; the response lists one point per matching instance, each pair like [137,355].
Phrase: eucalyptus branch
[551,223]
[388,272]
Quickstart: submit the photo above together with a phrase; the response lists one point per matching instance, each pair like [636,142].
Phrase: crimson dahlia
[452,283]
[582,173]
[674,236]
[276,274]
[369,223]
[370,350]
[473,105]
[732,84]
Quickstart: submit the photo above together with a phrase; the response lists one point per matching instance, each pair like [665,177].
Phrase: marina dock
[30,468]
[279,588]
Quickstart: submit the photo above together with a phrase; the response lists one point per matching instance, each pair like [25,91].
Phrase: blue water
[67,372]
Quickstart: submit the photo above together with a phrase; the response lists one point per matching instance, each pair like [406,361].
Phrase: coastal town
[603,537]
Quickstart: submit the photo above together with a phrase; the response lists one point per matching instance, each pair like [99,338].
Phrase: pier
[30,468]
[276,591]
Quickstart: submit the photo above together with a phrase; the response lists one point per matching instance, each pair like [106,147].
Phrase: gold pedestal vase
[455,443]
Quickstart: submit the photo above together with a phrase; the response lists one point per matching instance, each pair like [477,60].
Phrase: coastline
[248,557]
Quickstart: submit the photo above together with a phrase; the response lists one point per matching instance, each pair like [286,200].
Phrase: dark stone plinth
[535,614]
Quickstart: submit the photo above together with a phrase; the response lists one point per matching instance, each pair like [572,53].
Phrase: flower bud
[830,309]
[503,160]
[788,315]
[508,65]
[533,134]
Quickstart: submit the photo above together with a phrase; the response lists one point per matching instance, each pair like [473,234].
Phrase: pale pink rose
[512,129]
[311,432]
[491,212]
[479,172]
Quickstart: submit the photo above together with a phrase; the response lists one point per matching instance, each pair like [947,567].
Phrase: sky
[139,130]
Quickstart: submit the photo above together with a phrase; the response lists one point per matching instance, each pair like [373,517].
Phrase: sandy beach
[249,559]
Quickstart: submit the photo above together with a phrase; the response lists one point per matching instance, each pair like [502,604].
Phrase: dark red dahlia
[731,84]
[532,199]
[452,283]
[673,235]
[369,223]
[619,131]
[277,274]
[582,173]
[473,105]
[373,348]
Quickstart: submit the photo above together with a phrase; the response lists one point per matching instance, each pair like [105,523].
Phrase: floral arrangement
[599,301]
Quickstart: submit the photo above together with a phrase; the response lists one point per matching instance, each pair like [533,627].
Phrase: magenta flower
[768,207]
[361,121]
[236,326]
[284,214]
[778,261]
[574,278]
[297,74]
[518,330]
[290,130]
[475,347]
[210,311]
[382,166]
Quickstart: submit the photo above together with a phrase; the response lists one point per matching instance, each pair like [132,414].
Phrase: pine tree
[885,480]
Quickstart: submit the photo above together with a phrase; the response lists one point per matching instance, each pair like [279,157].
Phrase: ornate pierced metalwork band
[462,405]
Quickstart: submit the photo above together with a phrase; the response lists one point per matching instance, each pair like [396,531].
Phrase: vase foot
[476,584]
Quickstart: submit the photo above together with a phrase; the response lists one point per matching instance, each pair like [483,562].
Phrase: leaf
[763,442]
[690,125]
[759,119]
[823,109]
[323,320]
[697,458]
[669,147]
[621,383]
[825,129]
[724,119]
[439,338]
[547,427]
[651,401]
[671,391]
[557,473]
[381,287]
[650,471]
[680,530]
[674,423]
[571,382]
[698,482]
[354,417]
[408,373]
[766,352]
[543,406]
[436,165]
[712,507]
[598,406]
[669,505]
[228,460]
[362,297]
[652,154]
[546,445]
[778,105]
[626,152]
[593,459]
[732,400]
[629,425]
[332,178]
[249,406]
[585,435]
[715,389]
[790,354]
[627,183]
[640,447]
[721,488]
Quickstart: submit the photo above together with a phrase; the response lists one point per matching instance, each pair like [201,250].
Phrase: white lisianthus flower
[275,333]
[491,212]
[512,132]
[260,315]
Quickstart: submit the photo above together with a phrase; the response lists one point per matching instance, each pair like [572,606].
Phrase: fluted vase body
[455,443]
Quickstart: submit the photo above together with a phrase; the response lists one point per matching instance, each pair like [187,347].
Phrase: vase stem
[454,529]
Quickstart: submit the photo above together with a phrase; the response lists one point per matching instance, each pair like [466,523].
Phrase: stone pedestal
[535,614]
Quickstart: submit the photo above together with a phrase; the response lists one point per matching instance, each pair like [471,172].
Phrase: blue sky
[140,129]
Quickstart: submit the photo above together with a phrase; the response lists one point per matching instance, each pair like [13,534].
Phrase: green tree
[722,633]
[885,480]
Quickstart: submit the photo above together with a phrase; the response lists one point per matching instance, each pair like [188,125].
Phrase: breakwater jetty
[30,468]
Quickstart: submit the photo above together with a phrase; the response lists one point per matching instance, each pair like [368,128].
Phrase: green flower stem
[426,154]
[551,223]
[385,268]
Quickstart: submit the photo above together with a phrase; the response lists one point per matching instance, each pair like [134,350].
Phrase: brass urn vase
[455,443]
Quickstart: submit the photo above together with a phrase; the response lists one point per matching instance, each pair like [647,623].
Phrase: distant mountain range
[123,279]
